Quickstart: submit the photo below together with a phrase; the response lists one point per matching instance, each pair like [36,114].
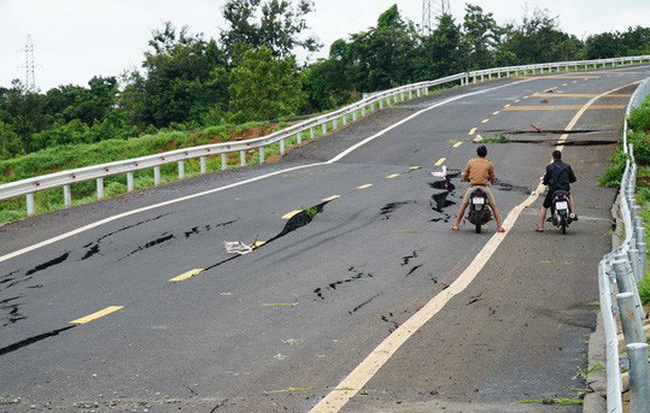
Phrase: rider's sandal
[539,229]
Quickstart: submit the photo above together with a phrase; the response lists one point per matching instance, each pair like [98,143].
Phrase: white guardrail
[27,187]
[621,270]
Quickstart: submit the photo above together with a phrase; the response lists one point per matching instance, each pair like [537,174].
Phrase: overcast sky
[75,40]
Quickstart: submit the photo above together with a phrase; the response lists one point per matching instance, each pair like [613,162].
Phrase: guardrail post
[372,107]
[345,119]
[410,94]
[354,116]
[100,188]
[204,165]
[311,133]
[282,150]
[625,281]
[630,320]
[299,135]
[156,175]
[67,195]
[242,158]
[130,182]
[29,200]
[643,248]
[633,254]
[363,111]
[637,353]
[381,103]
[335,123]
[324,126]
[224,161]
[261,154]
[181,169]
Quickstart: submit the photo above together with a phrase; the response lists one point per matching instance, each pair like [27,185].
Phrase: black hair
[557,155]
[481,151]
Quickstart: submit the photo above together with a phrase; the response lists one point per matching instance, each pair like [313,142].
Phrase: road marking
[364,186]
[392,176]
[564,107]
[485,120]
[496,113]
[507,106]
[94,316]
[457,144]
[337,158]
[331,198]
[472,131]
[361,375]
[440,161]
[579,95]
[415,167]
[291,214]
[257,244]
[518,100]
[187,275]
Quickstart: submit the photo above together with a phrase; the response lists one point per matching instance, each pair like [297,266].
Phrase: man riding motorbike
[480,173]
[559,175]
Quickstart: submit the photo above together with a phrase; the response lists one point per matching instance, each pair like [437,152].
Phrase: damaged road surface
[364,270]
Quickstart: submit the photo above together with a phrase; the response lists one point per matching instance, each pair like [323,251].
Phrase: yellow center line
[291,214]
[440,161]
[257,244]
[565,107]
[579,95]
[472,131]
[457,144]
[392,176]
[187,275]
[518,100]
[331,198]
[415,167]
[366,186]
[496,113]
[94,316]
[362,373]
[507,106]
[485,120]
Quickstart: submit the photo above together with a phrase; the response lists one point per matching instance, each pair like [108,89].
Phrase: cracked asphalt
[279,328]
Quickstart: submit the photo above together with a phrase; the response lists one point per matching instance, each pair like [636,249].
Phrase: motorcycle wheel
[477,221]
[563,224]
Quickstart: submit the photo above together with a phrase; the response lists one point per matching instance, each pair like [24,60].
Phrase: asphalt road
[284,327]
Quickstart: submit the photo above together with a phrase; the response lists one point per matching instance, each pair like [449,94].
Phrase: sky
[75,40]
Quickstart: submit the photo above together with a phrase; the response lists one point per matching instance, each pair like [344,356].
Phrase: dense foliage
[250,72]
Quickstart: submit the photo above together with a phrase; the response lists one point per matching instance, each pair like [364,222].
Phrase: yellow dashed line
[496,113]
[187,275]
[579,95]
[472,131]
[440,161]
[415,167]
[457,144]
[565,107]
[257,244]
[331,198]
[366,186]
[94,316]
[507,106]
[392,176]
[291,214]
[485,120]
[518,100]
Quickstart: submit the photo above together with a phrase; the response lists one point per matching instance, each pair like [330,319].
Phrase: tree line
[250,72]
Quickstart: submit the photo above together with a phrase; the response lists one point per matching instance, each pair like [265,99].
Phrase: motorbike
[560,214]
[479,211]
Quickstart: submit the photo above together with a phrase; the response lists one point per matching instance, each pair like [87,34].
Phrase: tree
[10,144]
[182,80]
[603,45]
[278,29]
[24,110]
[443,52]
[264,87]
[482,35]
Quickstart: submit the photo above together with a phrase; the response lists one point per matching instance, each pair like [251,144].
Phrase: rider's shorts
[484,188]
[548,200]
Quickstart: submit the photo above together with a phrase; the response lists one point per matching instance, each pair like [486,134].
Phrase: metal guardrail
[28,187]
[621,270]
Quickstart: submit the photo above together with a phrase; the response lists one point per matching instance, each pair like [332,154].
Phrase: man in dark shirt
[558,176]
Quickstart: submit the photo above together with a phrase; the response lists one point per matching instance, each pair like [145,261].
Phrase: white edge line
[223,188]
